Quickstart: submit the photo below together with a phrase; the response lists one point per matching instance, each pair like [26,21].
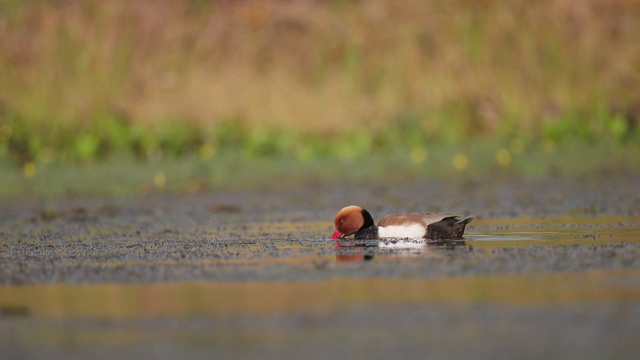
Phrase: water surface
[117,281]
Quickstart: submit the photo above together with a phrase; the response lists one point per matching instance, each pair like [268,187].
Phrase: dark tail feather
[448,228]
[465,221]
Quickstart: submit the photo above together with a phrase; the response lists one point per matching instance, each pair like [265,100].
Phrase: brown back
[423,219]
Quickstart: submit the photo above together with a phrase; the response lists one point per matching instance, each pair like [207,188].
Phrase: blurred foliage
[82,81]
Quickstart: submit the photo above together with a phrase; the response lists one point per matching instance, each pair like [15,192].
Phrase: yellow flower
[160,179]
[207,151]
[503,157]
[419,154]
[29,169]
[460,162]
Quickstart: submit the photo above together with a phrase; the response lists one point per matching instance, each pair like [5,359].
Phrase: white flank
[413,231]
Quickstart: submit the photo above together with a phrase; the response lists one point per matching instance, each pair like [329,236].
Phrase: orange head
[351,219]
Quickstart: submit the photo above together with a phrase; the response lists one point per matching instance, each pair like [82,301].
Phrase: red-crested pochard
[354,220]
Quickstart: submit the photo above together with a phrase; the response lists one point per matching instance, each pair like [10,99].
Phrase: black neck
[369,230]
[368,220]
[367,233]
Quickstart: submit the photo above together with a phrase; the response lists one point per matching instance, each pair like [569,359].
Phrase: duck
[356,221]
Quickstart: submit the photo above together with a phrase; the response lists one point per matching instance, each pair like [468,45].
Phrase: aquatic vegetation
[83,81]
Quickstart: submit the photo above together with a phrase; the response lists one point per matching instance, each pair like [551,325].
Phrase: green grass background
[465,84]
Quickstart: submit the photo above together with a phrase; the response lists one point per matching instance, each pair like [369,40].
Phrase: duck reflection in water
[365,250]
